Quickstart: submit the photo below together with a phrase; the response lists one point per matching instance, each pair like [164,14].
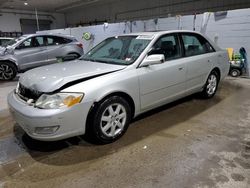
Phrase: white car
[5,40]
[114,82]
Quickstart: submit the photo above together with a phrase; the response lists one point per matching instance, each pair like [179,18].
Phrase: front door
[164,82]
[31,53]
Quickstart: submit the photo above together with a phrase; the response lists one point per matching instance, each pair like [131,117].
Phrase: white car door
[200,57]
[163,82]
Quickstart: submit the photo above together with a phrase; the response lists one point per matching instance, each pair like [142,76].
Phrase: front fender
[10,59]
[125,81]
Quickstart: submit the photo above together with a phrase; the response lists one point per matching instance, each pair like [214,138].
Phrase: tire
[70,57]
[8,71]
[108,121]
[76,55]
[235,73]
[211,85]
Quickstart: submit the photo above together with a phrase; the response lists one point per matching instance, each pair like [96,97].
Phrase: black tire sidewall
[13,67]
[75,54]
[99,136]
[235,70]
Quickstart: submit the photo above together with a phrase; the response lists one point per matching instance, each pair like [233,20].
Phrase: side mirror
[153,60]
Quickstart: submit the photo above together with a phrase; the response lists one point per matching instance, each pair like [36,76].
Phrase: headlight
[59,100]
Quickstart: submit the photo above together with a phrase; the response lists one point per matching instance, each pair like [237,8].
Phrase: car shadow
[76,150]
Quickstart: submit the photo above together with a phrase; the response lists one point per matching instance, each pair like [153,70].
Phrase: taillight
[80,45]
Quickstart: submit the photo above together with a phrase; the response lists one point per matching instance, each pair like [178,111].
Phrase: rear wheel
[8,71]
[235,73]
[109,121]
[211,85]
[73,55]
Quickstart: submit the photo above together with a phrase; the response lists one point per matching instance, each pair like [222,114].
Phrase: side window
[168,46]
[26,44]
[50,41]
[59,40]
[208,47]
[38,41]
[66,41]
[196,45]
[111,50]
[54,40]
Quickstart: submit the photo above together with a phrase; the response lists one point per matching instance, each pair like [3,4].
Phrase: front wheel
[109,121]
[8,71]
[211,85]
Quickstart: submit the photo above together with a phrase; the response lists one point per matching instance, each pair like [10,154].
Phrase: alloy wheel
[6,72]
[212,84]
[113,120]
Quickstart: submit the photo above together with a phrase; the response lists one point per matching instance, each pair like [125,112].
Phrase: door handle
[181,68]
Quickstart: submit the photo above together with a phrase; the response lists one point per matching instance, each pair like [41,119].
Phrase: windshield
[122,50]
[13,41]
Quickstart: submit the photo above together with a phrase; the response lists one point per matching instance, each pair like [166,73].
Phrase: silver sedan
[117,80]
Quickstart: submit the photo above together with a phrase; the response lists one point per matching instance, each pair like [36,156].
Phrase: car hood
[53,77]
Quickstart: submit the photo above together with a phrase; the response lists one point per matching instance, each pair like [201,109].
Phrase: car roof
[155,33]
[49,34]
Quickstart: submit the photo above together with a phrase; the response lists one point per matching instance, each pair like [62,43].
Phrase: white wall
[10,22]
[232,30]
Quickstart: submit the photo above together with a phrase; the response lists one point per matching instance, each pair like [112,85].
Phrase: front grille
[26,93]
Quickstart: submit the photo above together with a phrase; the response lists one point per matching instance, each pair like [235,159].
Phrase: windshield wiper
[102,61]
[86,59]
[96,60]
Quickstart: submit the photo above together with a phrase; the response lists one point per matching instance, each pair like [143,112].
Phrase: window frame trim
[178,42]
[24,47]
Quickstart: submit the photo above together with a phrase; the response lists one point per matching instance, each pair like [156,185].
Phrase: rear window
[55,40]
[196,45]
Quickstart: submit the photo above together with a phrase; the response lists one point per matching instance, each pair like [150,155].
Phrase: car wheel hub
[235,73]
[212,84]
[113,120]
[6,72]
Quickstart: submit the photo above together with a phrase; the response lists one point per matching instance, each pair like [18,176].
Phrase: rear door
[200,57]
[163,82]
[31,53]
[56,47]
